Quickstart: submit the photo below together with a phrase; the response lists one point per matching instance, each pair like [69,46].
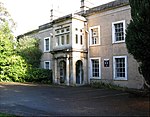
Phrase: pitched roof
[107,6]
[100,8]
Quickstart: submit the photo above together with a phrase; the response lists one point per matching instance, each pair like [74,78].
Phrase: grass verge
[6,115]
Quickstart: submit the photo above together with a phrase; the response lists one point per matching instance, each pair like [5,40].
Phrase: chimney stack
[51,16]
[84,6]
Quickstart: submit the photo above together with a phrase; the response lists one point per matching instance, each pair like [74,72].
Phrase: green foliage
[12,66]
[39,75]
[106,86]
[20,64]
[28,48]
[6,115]
[138,35]
[14,69]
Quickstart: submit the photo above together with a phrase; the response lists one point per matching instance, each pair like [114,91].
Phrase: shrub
[106,86]
[39,75]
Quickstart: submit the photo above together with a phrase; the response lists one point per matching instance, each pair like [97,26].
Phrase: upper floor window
[62,36]
[58,31]
[62,40]
[57,40]
[67,29]
[118,31]
[95,35]
[46,44]
[76,29]
[76,38]
[81,39]
[62,31]
[67,39]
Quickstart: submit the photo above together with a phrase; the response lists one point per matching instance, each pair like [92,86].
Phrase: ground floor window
[120,67]
[95,68]
[46,64]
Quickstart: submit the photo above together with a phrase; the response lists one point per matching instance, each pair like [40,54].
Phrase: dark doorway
[62,66]
[79,72]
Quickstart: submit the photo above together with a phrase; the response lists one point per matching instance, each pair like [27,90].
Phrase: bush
[39,75]
[14,69]
[103,85]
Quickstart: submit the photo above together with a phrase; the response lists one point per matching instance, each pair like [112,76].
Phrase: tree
[28,48]
[19,64]
[138,36]
[12,66]
[5,16]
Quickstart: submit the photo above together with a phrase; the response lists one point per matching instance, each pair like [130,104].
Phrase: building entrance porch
[70,69]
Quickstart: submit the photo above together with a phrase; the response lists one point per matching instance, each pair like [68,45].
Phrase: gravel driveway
[45,100]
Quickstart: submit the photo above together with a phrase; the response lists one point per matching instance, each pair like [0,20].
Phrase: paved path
[44,100]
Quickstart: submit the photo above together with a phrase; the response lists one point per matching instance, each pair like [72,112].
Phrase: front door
[79,72]
[62,66]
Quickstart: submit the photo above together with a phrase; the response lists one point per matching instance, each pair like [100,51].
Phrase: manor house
[89,46]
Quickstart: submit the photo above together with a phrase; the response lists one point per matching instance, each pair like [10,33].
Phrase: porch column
[55,72]
[67,70]
[74,72]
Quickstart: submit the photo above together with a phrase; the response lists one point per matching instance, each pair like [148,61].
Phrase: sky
[29,14]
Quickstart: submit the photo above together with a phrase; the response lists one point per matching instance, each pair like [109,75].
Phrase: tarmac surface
[25,99]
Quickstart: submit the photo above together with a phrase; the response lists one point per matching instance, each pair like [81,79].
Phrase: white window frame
[45,44]
[90,35]
[91,76]
[66,31]
[114,68]
[45,64]
[113,31]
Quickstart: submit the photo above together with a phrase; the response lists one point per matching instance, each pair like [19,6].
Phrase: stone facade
[90,46]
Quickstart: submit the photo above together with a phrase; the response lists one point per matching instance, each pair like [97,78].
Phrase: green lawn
[6,115]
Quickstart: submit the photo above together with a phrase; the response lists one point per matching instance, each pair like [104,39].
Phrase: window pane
[76,39]
[47,64]
[62,40]
[95,68]
[57,31]
[67,37]
[67,29]
[119,34]
[46,44]
[95,36]
[62,30]
[81,40]
[57,41]
[120,67]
